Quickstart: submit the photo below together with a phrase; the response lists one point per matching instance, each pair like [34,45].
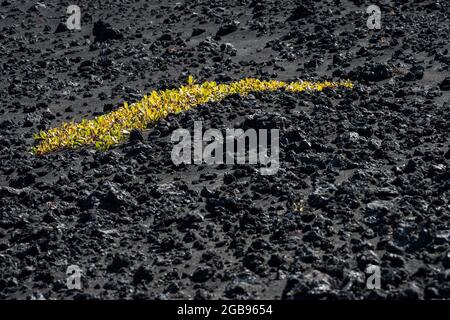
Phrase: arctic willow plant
[111,129]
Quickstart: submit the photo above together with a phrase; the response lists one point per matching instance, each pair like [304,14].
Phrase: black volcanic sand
[369,167]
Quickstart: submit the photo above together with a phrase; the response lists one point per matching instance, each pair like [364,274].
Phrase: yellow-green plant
[111,129]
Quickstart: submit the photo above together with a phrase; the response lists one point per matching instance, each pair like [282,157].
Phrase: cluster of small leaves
[113,128]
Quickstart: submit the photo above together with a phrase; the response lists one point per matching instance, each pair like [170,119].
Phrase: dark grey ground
[370,165]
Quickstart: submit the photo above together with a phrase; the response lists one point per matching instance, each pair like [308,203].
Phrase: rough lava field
[364,174]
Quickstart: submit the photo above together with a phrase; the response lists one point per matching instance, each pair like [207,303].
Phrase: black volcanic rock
[143,274]
[301,11]
[372,72]
[202,274]
[136,135]
[103,32]
[197,31]
[363,175]
[445,84]
[228,28]
[119,263]
[62,27]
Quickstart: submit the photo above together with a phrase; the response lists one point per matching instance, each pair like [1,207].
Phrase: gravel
[364,173]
